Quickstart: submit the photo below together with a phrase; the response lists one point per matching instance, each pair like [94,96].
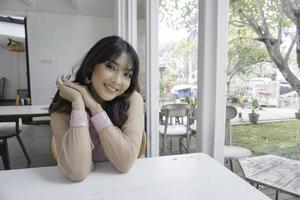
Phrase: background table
[14,113]
[279,173]
[9,112]
[186,176]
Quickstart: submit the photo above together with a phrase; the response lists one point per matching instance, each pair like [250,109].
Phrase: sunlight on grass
[278,138]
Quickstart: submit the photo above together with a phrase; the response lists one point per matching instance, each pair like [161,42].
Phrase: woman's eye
[109,66]
[128,75]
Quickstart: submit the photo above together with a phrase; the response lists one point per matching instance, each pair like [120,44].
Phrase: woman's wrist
[78,105]
[96,109]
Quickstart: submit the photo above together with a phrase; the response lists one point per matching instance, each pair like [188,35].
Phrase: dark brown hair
[106,49]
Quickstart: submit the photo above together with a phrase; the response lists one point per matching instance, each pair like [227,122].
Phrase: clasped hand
[75,93]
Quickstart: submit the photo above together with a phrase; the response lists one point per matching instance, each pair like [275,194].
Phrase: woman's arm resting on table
[73,142]
[122,148]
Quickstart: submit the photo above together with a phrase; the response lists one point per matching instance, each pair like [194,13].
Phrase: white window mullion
[152,76]
[126,20]
[120,16]
[212,64]
[132,23]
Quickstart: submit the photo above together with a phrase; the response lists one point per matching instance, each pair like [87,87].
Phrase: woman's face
[112,78]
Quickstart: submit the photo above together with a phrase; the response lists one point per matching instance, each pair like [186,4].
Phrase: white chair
[232,152]
[7,132]
[172,127]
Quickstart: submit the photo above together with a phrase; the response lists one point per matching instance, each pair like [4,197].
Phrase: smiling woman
[99,116]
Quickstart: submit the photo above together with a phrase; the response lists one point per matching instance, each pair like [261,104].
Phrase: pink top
[81,118]
[81,140]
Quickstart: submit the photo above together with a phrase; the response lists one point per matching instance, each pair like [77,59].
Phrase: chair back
[177,110]
[141,152]
[2,87]
[231,112]
[167,98]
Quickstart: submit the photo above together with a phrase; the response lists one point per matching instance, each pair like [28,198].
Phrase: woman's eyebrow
[128,68]
[115,63]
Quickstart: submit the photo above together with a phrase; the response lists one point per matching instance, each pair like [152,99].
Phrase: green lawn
[278,138]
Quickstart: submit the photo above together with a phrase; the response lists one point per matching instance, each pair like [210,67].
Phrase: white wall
[13,67]
[56,43]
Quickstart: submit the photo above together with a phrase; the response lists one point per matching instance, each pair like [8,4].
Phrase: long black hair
[106,49]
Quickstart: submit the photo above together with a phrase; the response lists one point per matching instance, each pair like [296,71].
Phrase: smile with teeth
[110,88]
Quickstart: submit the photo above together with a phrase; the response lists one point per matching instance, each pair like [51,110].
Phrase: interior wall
[57,42]
[13,68]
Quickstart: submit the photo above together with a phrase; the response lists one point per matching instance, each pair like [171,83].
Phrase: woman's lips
[110,88]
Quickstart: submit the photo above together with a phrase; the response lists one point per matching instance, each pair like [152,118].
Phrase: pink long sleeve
[74,146]
[122,146]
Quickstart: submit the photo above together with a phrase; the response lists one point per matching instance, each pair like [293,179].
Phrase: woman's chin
[109,98]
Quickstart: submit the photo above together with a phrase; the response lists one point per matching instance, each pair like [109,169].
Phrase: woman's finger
[62,78]
[59,81]
[73,85]
[66,77]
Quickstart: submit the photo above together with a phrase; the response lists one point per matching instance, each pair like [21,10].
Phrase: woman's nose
[117,78]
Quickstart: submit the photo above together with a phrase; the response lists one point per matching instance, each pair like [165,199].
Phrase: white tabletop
[19,111]
[189,176]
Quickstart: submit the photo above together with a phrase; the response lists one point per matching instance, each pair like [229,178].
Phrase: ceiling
[98,8]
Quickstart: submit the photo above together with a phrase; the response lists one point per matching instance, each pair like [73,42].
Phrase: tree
[275,23]
[180,14]
[178,58]
[244,54]
[243,60]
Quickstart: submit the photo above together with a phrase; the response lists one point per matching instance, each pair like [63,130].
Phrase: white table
[8,112]
[187,176]
[14,113]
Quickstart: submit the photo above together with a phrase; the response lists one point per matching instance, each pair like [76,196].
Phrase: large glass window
[177,61]
[263,70]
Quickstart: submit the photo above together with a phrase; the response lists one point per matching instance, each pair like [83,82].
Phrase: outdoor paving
[266,114]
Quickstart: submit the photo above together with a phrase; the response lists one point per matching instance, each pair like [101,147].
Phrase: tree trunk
[274,52]
[297,17]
